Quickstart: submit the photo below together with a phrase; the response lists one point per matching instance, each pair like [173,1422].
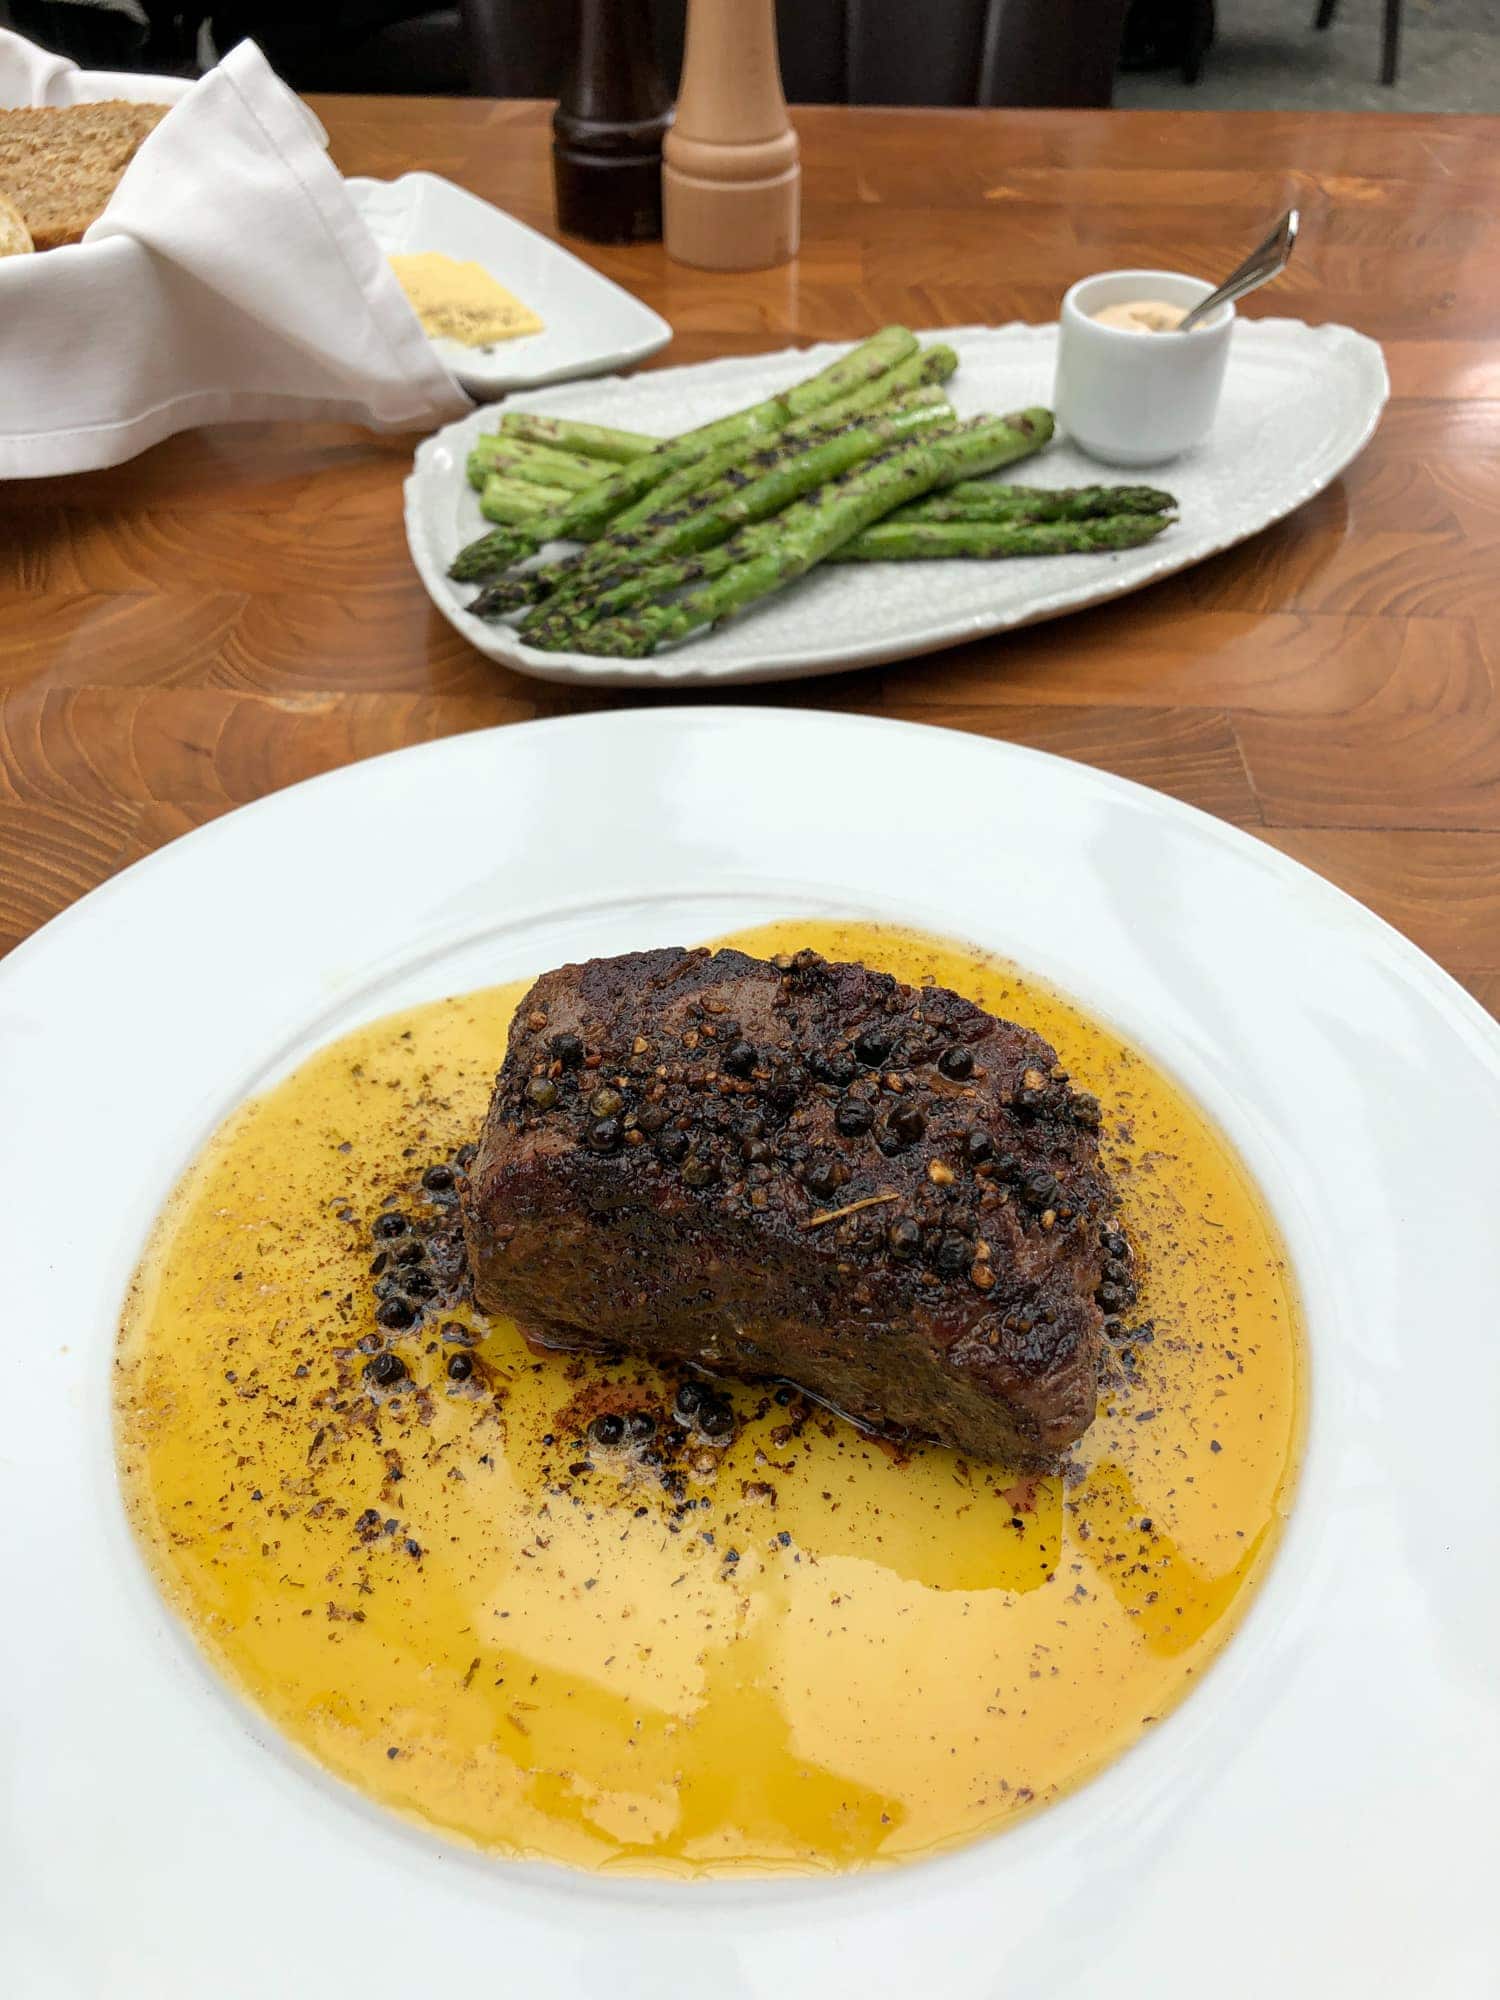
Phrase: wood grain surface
[236,609]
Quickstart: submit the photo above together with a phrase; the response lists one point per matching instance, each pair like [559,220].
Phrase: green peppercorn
[542,1092]
[606,1102]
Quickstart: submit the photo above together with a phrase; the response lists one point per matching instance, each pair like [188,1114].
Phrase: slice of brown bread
[60,165]
[15,237]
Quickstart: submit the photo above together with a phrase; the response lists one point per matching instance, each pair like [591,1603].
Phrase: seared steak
[806,1171]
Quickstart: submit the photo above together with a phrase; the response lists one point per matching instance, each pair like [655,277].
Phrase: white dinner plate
[1299,402]
[1316,1819]
[589,324]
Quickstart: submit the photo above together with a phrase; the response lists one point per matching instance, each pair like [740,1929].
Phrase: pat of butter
[1142,316]
[461,301]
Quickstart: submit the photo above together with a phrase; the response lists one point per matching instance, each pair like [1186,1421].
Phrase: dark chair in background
[993,52]
[833,51]
[1178,34]
[1390,40]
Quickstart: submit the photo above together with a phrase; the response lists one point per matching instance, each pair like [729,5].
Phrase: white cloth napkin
[230,277]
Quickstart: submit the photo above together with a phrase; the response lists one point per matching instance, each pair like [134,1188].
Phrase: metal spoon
[1263,264]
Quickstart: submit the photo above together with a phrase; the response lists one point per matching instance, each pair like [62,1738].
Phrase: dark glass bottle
[607,129]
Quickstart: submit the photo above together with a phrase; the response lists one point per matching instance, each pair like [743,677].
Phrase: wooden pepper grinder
[731,182]
[607,129]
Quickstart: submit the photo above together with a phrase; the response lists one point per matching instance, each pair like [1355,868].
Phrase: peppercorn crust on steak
[806,1171]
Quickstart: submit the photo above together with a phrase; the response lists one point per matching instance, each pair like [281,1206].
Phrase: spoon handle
[1265,262]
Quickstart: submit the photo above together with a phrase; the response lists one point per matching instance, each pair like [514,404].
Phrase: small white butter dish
[1135,398]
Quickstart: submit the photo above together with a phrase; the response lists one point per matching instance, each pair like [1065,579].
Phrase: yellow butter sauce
[834,1658]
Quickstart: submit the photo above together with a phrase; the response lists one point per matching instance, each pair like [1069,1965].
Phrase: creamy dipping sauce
[779,1651]
[1142,316]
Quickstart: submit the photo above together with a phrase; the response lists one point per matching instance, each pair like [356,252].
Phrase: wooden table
[236,609]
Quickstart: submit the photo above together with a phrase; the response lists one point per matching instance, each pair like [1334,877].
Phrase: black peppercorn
[417,1283]
[394,1224]
[739,1060]
[907,1123]
[689,1400]
[607,1430]
[715,1419]
[756,1153]
[412,1251]
[542,1092]
[956,1063]
[954,1254]
[460,1367]
[396,1313]
[978,1146]
[438,1179]
[651,1118]
[903,1238]
[568,1050]
[873,1046]
[821,1176]
[1040,1188]
[606,1135]
[834,1066]
[640,1424]
[673,1145]
[853,1118]
[1115,1245]
[700,1170]
[782,1091]
[387,1369]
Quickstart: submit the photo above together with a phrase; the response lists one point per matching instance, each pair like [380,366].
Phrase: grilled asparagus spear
[590,440]
[924,541]
[591,513]
[536,462]
[814,527]
[750,489]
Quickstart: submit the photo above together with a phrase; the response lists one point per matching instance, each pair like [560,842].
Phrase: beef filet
[800,1170]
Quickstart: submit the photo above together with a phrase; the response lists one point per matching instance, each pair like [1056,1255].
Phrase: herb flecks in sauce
[577,1609]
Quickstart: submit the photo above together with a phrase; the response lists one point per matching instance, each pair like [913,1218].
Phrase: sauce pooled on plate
[588,1611]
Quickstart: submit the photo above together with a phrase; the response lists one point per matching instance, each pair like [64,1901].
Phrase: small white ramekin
[1138,398]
